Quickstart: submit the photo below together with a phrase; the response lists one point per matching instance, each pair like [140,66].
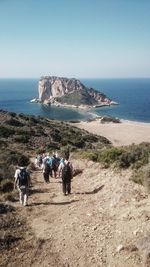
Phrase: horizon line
[2,78]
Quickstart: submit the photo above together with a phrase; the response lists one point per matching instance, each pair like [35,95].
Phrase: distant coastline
[84,107]
[133,96]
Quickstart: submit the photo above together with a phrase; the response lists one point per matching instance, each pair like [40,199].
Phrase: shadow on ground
[39,190]
[96,190]
[52,203]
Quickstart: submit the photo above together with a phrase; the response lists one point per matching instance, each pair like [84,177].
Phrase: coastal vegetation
[134,156]
[77,98]
[106,119]
[24,135]
[21,138]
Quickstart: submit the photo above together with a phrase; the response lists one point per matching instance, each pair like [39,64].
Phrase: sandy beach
[120,134]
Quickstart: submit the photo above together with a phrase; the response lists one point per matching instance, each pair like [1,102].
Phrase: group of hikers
[51,166]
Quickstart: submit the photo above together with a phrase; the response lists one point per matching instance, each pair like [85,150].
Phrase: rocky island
[61,91]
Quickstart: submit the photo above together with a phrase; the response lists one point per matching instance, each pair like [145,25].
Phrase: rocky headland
[61,91]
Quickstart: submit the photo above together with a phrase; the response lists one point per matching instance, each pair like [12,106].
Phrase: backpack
[66,172]
[54,164]
[23,178]
[47,168]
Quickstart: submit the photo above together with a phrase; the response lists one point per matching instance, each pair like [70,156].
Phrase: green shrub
[56,135]
[6,171]
[6,185]
[14,122]
[13,114]
[142,177]
[6,132]
[90,138]
[22,138]
[74,121]
[77,142]
[146,174]
[3,144]
[33,120]
[39,131]
[135,155]
[9,196]
[88,154]
[110,119]
[110,155]
[23,116]
[53,146]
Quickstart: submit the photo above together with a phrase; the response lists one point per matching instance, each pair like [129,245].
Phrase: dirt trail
[99,224]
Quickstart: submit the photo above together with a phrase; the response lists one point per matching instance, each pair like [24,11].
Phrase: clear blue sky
[75,38]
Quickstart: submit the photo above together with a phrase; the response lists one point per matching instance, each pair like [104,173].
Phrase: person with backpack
[66,169]
[22,181]
[47,170]
[54,164]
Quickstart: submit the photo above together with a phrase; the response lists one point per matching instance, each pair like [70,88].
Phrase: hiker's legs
[21,197]
[55,173]
[46,177]
[51,175]
[64,187]
[25,197]
[68,187]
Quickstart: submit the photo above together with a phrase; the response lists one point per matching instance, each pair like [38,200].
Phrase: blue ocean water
[133,96]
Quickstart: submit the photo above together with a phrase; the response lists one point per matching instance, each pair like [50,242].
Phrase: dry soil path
[98,225]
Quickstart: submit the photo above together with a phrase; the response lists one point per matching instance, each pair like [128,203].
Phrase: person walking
[47,170]
[22,181]
[66,169]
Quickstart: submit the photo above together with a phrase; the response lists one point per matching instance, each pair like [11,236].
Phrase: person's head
[65,153]
[66,157]
[23,161]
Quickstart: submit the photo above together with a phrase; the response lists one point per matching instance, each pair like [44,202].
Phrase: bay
[132,95]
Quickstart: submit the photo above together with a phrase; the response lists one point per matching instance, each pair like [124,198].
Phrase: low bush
[89,154]
[91,138]
[53,146]
[109,119]
[146,174]
[23,116]
[3,144]
[32,120]
[56,135]
[110,155]
[77,142]
[142,177]
[6,185]
[74,121]
[14,122]
[6,132]
[13,114]
[22,139]
[134,156]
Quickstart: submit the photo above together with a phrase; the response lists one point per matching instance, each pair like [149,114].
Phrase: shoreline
[89,110]
[120,134]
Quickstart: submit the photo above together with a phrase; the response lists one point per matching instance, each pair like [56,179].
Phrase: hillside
[30,131]
[104,222]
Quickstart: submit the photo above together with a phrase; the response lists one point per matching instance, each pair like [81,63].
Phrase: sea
[132,96]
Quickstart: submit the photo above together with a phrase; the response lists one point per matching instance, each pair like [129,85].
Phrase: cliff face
[68,91]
